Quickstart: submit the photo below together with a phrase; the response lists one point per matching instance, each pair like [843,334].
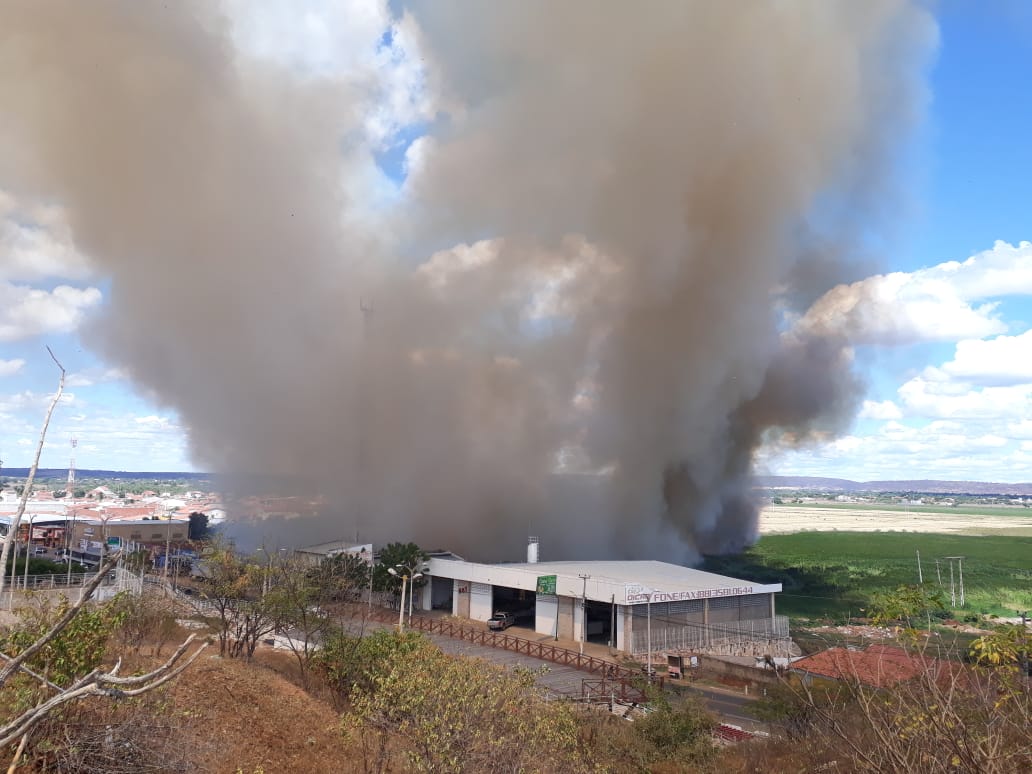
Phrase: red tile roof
[879,665]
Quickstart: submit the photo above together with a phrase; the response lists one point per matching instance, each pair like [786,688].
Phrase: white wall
[480,601]
[546,607]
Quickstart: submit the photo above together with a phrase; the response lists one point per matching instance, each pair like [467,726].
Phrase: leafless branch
[13,530]
[97,683]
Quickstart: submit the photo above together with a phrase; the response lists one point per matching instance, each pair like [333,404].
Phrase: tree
[454,714]
[198,527]
[1006,645]
[78,494]
[905,604]
[678,732]
[296,602]
[349,664]
[234,589]
[393,554]
[342,577]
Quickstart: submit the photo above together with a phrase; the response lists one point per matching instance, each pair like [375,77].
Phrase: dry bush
[949,718]
[134,736]
[148,618]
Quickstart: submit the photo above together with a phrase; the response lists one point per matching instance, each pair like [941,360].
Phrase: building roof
[626,582]
[879,666]
[333,547]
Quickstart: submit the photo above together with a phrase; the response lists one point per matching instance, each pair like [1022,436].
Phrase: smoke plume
[574,317]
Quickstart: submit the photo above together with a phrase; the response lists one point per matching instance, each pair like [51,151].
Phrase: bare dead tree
[13,531]
[98,683]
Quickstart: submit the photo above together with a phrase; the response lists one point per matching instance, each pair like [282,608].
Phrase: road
[729,707]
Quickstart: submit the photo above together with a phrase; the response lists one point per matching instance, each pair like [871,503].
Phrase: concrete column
[772,605]
[705,612]
[622,614]
[566,613]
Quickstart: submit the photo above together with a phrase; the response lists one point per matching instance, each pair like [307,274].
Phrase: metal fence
[695,637]
[57,581]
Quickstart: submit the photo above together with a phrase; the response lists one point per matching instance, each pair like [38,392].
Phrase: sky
[948,384]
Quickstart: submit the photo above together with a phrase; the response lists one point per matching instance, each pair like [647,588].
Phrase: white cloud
[1020,430]
[947,302]
[1003,360]
[154,421]
[11,367]
[92,376]
[926,397]
[36,242]
[26,311]
[885,409]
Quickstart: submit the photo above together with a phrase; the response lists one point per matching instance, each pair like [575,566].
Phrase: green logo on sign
[546,584]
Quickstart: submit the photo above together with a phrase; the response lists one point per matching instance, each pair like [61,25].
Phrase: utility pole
[960,566]
[920,575]
[938,572]
[584,612]
[953,589]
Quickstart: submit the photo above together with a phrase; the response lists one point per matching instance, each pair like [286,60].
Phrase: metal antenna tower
[71,463]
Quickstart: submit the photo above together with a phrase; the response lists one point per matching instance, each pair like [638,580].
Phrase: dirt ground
[257,721]
[783,519]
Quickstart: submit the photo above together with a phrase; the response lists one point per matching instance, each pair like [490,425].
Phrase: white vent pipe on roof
[532,550]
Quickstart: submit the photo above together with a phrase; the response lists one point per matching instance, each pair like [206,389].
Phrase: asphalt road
[729,707]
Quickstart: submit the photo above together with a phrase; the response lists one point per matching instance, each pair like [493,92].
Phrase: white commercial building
[625,604]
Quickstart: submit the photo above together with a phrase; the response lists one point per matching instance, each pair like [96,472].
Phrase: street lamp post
[407,574]
[584,613]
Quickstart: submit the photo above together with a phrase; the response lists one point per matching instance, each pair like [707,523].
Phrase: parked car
[40,550]
[501,621]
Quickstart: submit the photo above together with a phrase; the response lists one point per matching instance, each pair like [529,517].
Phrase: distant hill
[106,474]
[923,486]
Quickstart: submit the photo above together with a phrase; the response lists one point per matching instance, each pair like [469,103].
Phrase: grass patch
[833,574]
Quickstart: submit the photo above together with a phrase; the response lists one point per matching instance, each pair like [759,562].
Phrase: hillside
[250,718]
[923,486]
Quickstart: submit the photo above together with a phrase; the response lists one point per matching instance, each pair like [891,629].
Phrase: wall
[545,609]
[566,618]
[460,599]
[480,601]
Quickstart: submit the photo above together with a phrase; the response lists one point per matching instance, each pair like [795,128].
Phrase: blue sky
[952,402]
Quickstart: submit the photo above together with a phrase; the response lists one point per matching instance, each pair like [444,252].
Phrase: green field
[833,574]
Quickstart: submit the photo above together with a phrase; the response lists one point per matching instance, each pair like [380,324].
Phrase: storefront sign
[637,594]
[546,584]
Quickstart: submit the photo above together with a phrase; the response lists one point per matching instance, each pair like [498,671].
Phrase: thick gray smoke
[591,266]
